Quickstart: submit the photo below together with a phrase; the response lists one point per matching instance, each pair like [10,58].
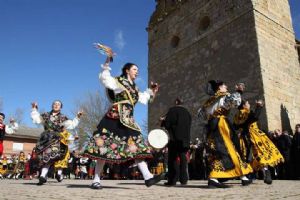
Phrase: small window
[204,23]
[175,41]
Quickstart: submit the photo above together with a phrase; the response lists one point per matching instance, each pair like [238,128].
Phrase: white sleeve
[108,81]
[11,128]
[212,108]
[35,116]
[71,124]
[144,97]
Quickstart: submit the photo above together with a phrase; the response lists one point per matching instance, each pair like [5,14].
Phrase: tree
[94,107]
[18,116]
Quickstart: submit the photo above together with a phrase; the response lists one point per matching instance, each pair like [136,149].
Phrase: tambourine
[158,139]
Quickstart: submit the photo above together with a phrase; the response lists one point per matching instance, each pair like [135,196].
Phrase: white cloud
[119,39]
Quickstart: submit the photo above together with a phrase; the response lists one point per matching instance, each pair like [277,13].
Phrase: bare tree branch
[19,115]
[94,106]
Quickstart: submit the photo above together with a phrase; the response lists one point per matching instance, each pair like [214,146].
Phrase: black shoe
[223,180]
[154,180]
[59,178]
[42,180]
[246,182]
[183,183]
[267,177]
[214,184]
[169,184]
[96,186]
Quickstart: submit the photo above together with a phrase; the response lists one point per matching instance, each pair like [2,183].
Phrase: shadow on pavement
[185,186]
[162,185]
[104,187]
[131,183]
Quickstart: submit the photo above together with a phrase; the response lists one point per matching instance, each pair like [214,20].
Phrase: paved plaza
[128,189]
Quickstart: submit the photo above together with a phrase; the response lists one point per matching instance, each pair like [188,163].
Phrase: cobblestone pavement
[128,189]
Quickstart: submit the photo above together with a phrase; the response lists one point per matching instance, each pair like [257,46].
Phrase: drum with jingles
[158,139]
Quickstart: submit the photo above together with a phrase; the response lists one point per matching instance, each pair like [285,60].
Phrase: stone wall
[193,41]
[279,63]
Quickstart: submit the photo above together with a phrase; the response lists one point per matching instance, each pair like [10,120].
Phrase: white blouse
[111,83]
[229,101]
[11,128]
[68,124]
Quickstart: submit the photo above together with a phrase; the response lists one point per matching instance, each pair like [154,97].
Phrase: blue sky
[46,49]
[295,10]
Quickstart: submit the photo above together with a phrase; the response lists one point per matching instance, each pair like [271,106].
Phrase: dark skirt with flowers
[115,143]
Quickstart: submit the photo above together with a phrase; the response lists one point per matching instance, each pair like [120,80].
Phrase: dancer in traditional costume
[224,159]
[257,148]
[20,166]
[52,147]
[6,129]
[118,139]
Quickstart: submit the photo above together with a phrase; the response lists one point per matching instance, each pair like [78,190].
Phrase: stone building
[249,41]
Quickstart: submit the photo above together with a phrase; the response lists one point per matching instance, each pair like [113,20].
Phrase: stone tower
[249,41]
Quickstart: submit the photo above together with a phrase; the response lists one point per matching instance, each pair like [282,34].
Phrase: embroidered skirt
[51,148]
[115,143]
[265,153]
[224,159]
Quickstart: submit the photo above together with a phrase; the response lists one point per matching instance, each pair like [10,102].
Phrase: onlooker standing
[283,143]
[295,153]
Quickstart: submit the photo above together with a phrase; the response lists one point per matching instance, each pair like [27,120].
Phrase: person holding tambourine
[118,139]
[178,123]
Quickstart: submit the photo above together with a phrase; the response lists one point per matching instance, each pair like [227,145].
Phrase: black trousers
[177,170]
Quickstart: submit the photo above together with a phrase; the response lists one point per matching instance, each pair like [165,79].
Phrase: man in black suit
[283,143]
[295,153]
[178,123]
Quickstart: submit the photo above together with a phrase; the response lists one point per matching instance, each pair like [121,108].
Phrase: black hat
[213,86]
[2,114]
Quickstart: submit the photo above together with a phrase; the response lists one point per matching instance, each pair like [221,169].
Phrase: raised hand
[79,113]
[34,105]
[12,120]
[240,87]
[259,103]
[154,87]
[76,137]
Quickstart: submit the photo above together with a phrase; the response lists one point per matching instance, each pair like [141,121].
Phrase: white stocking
[44,172]
[142,165]
[98,169]
[59,172]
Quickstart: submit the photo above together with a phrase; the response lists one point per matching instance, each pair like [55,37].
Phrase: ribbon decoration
[105,50]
